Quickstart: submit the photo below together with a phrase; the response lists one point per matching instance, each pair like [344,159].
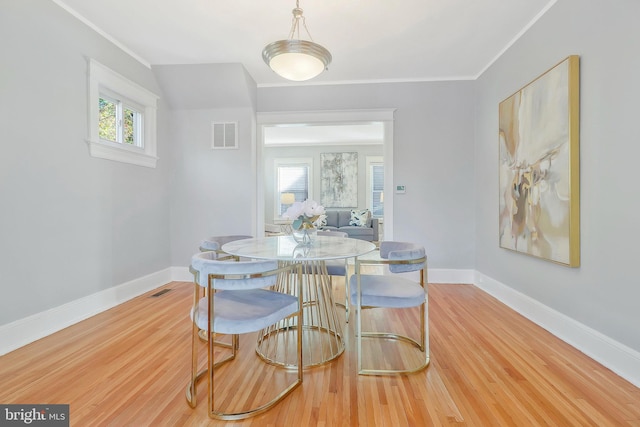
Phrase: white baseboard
[442,275]
[24,331]
[181,274]
[621,359]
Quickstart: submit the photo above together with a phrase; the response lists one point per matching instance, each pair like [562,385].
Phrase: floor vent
[162,292]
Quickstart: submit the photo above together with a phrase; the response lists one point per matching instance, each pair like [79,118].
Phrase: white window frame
[371,161]
[103,80]
[298,161]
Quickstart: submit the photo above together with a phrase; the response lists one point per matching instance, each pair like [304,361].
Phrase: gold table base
[322,339]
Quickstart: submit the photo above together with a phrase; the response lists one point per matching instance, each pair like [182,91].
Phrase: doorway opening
[296,141]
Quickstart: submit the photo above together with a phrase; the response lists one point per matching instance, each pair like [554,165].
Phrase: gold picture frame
[539,161]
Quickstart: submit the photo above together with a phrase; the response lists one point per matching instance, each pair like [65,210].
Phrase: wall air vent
[224,135]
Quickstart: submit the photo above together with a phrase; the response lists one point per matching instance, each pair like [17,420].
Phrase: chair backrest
[214,243]
[231,274]
[403,251]
[332,233]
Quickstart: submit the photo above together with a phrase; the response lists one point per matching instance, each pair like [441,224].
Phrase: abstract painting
[339,176]
[539,166]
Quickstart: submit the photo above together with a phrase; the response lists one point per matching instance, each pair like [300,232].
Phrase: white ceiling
[370,40]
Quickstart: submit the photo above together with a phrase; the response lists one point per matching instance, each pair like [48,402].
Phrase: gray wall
[433,156]
[70,225]
[603,293]
[213,192]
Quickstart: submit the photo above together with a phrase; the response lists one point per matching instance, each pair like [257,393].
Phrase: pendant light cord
[295,23]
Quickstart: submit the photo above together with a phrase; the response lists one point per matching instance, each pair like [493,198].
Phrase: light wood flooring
[489,367]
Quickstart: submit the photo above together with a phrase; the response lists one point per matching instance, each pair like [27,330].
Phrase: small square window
[122,118]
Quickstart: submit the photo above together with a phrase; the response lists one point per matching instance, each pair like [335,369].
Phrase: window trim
[103,78]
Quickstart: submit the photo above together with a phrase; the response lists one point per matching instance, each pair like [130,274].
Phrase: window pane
[377,187]
[129,126]
[107,123]
[292,179]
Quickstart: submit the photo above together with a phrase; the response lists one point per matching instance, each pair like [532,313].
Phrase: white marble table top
[285,248]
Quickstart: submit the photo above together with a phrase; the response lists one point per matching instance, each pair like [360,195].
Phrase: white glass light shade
[296,60]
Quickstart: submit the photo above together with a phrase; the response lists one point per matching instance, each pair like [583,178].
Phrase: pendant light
[296,59]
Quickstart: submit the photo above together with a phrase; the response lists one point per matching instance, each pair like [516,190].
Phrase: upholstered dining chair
[237,302]
[394,290]
[338,267]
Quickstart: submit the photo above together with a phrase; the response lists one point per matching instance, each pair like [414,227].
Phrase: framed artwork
[539,166]
[339,180]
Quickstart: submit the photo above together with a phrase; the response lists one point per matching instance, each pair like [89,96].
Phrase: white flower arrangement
[307,214]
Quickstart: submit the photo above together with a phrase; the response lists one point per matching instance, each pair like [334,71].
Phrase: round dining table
[322,330]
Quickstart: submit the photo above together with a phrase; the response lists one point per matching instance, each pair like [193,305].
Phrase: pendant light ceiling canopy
[296,59]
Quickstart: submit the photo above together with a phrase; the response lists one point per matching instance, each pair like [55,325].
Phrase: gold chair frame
[422,345]
[196,376]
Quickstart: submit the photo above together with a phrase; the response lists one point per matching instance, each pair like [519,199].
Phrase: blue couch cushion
[344,217]
[332,218]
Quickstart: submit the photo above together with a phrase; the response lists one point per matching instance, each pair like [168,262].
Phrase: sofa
[338,220]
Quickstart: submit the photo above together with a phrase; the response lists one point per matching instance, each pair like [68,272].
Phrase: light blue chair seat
[336,267]
[241,312]
[387,291]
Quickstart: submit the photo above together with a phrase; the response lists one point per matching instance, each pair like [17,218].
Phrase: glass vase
[305,235]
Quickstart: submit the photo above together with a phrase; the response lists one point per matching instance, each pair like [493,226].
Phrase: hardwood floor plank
[129,366]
